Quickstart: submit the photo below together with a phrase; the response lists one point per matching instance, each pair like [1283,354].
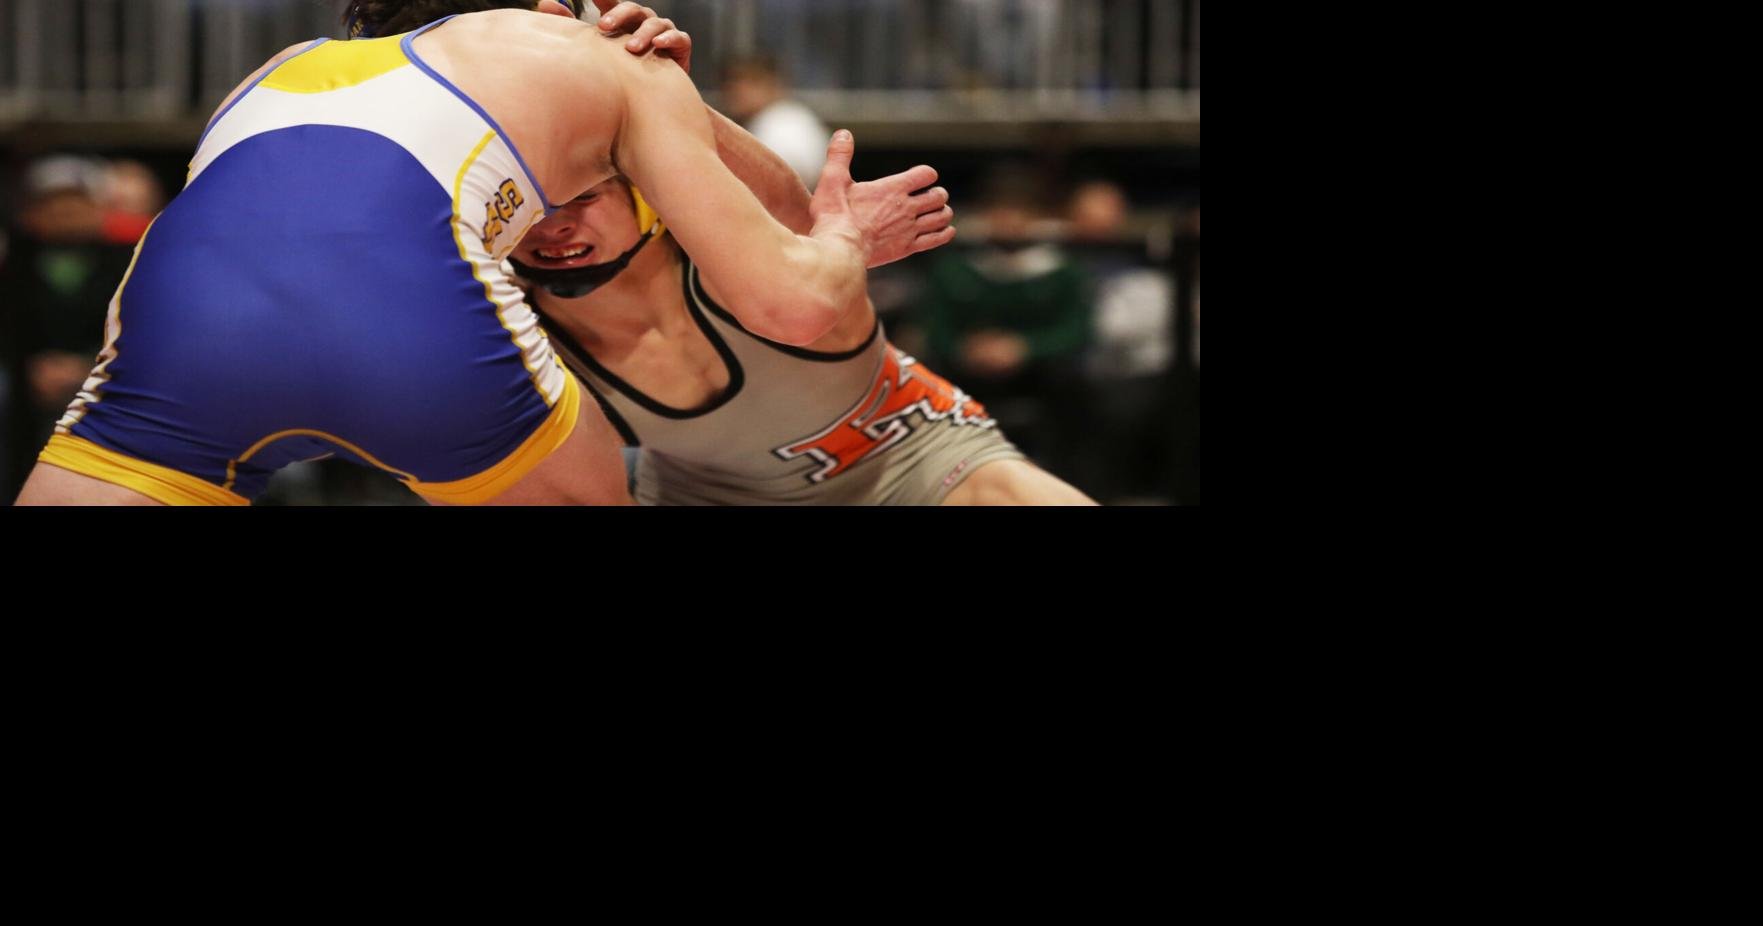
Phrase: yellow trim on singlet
[160,483]
[335,65]
[489,293]
[233,465]
[484,486]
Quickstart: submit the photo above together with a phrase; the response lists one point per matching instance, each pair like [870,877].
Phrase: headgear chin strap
[576,282]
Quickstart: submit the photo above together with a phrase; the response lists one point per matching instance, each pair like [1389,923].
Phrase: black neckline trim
[618,423]
[696,288]
[736,376]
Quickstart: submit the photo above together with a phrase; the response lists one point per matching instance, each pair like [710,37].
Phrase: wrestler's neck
[645,296]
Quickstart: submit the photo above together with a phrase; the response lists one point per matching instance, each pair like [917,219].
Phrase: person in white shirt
[755,95]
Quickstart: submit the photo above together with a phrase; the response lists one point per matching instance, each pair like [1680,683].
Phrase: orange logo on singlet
[884,417]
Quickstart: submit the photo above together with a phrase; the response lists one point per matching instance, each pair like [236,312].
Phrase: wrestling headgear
[575,282]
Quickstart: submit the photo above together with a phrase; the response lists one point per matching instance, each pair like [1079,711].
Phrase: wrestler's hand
[892,220]
[646,31]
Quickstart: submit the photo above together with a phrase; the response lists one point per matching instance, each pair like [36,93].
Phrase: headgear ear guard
[648,220]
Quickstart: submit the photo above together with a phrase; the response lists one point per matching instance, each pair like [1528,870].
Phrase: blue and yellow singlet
[329,282]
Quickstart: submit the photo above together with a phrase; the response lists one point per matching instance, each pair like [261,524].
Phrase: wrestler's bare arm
[769,176]
[778,187]
[784,286]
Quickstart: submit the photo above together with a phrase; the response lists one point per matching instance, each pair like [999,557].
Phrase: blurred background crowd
[1067,132]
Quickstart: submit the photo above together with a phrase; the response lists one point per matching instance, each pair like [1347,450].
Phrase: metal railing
[892,60]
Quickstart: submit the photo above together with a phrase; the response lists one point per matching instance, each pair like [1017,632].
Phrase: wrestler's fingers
[916,178]
[934,221]
[624,18]
[677,45]
[930,200]
[646,33]
[927,242]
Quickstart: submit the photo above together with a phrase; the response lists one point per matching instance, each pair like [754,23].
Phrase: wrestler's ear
[555,8]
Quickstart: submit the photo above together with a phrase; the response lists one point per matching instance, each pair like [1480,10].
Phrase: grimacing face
[593,228]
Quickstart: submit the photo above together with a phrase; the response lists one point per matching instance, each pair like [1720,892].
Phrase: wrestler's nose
[561,225]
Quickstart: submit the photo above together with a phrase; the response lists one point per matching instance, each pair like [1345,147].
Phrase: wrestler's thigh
[1014,482]
[52,485]
[586,469]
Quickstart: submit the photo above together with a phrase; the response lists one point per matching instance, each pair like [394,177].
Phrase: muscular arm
[769,176]
[782,285]
[777,186]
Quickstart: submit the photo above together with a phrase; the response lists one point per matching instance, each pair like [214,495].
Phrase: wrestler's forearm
[769,176]
[782,285]
[773,181]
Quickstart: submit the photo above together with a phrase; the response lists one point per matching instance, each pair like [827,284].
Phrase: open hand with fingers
[895,216]
[646,30]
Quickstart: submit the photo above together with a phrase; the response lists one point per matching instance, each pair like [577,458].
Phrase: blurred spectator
[131,197]
[1098,212]
[1194,349]
[1010,321]
[755,94]
[1126,454]
[58,278]
[6,361]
